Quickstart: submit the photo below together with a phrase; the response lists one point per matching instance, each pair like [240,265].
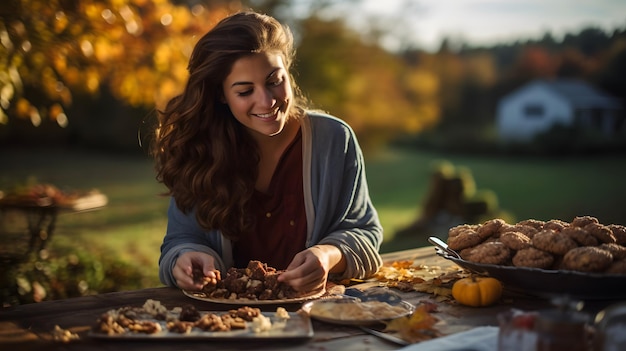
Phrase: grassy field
[133,223]
[539,188]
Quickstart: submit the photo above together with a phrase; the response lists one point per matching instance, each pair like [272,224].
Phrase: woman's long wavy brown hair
[204,156]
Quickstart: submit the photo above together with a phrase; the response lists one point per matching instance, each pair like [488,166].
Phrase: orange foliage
[139,49]
[534,62]
[370,88]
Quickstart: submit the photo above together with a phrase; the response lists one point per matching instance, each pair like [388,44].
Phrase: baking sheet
[298,326]
[408,309]
[549,283]
[248,302]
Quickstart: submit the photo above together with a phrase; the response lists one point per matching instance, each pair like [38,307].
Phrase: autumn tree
[51,50]
[573,64]
[363,84]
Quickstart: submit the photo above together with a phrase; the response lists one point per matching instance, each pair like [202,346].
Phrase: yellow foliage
[60,61]
[54,111]
[61,22]
[92,80]
[92,11]
[482,69]
[167,90]
[35,117]
[123,44]
[4,119]
[22,108]
[422,82]
[72,76]
[180,19]
[162,57]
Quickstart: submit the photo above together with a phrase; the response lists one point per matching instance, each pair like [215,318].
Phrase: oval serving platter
[405,308]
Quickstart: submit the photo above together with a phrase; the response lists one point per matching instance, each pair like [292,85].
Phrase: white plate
[407,309]
[249,302]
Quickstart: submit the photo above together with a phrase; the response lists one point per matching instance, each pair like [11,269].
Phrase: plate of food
[155,321]
[202,296]
[354,311]
[257,284]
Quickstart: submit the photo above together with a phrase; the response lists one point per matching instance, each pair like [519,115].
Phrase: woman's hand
[308,271]
[185,266]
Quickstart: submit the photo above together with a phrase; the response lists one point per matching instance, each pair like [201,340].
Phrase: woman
[253,175]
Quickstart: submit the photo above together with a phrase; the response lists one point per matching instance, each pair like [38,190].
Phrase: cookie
[527,230]
[601,232]
[556,224]
[515,240]
[533,258]
[582,221]
[535,223]
[506,227]
[580,236]
[618,251]
[466,253]
[490,228]
[454,231]
[619,233]
[491,252]
[587,259]
[465,239]
[553,242]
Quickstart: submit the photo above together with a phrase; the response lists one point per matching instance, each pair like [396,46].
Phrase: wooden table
[29,327]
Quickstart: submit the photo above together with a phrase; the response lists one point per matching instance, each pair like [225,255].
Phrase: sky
[485,22]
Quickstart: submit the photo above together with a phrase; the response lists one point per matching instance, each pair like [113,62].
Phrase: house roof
[581,94]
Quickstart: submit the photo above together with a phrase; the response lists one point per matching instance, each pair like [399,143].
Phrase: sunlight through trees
[51,49]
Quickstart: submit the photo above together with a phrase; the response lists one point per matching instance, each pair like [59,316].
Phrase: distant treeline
[592,55]
[107,100]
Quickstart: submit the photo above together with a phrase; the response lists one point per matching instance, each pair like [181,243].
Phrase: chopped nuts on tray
[182,320]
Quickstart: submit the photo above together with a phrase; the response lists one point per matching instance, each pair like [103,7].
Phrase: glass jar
[564,327]
[560,330]
[517,331]
[611,328]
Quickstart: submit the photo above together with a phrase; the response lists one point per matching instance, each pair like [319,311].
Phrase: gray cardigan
[336,198]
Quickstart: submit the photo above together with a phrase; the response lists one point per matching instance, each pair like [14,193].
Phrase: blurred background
[453,103]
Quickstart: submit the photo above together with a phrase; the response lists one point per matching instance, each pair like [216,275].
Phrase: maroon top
[281,219]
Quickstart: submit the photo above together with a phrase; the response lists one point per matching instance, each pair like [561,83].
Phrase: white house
[541,104]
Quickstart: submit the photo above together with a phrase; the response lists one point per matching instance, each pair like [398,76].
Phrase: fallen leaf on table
[413,276]
[419,326]
[441,293]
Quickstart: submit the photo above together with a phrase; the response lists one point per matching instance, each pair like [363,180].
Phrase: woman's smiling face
[258,92]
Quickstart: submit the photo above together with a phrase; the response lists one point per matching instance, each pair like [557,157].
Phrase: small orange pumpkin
[477,291]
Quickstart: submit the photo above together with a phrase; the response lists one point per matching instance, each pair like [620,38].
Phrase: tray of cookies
[581,258]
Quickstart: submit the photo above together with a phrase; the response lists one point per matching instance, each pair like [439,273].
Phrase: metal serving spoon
[441,245]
